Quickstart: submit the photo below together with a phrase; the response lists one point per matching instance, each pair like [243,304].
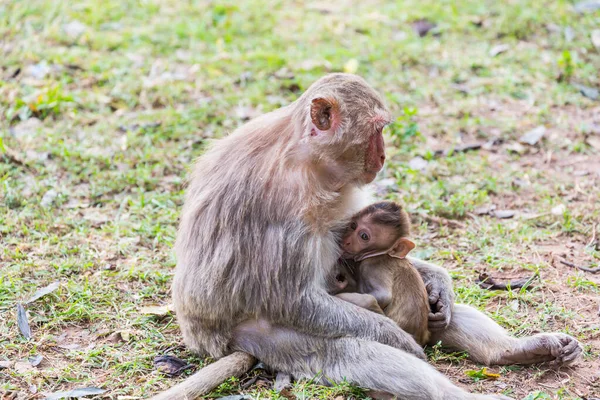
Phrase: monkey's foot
[555,348]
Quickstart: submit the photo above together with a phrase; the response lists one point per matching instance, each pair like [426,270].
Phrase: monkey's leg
[365,363]
[487,343]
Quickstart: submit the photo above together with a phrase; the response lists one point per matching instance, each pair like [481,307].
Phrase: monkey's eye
[353,226]
[364,236]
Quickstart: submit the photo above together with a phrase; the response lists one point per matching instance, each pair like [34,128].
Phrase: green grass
[107,103]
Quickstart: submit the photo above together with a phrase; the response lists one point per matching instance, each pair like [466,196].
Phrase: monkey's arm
[319,313]
[439,288]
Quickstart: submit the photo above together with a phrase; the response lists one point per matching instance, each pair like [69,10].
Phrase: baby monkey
[376,240]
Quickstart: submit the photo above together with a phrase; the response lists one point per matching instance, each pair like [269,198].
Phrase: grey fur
[257,239]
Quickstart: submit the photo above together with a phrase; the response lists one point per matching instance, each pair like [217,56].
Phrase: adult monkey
[256,241]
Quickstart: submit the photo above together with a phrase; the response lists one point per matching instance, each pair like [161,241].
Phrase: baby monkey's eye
[364,236]
[353,226]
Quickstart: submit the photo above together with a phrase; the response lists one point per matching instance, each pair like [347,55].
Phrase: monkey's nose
[382,158]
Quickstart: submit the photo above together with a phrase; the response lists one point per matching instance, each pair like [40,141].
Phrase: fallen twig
[487,282]
[586,269]
[594,243]
[442,221]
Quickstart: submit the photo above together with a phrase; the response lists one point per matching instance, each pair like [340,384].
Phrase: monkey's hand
[441,296]
[441,302]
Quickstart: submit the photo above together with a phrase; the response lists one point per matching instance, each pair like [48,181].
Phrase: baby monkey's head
[381,228]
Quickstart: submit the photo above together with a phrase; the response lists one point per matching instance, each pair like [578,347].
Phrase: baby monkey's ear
[401,248]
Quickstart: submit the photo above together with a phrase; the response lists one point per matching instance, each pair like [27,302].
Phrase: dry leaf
[23,322]
[23,367]
[35,361]
[586,91]
[77,393]
[482,374]
[42,292]
[422,27]
[170,365]
[593,141]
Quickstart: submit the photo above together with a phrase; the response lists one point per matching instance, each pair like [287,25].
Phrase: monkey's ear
[324,113]
[401,248]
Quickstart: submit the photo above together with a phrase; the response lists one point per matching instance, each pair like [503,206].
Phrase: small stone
[595,36]
[499,49]
[516,148]
[587,6]
[504,214]
[569,34]
[485,210]
[39,70]
[74,29]
[48,198]
[26,128]
[559,210]
[533,136]
[418,164]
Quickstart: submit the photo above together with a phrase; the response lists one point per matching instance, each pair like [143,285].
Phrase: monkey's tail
[209,377]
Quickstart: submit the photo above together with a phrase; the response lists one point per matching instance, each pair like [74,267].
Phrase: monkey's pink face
[374,157]
[365,132]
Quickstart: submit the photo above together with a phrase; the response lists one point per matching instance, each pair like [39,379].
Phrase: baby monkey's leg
[362,300]
[489,344]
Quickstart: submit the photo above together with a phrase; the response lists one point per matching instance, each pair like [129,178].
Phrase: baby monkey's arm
[362,300]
